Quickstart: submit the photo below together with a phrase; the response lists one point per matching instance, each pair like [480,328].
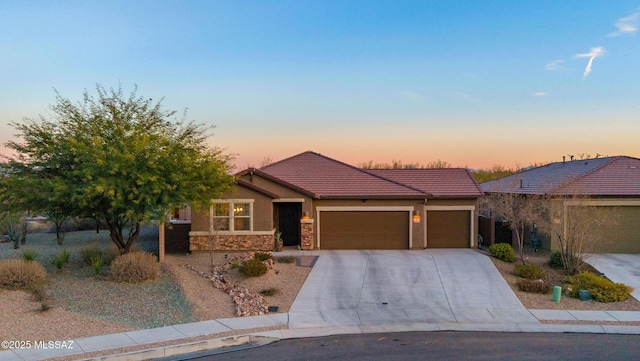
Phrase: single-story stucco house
[321,203]
[611,182]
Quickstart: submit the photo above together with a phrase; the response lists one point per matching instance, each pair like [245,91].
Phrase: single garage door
[621,234]
[364,230]
[448,229]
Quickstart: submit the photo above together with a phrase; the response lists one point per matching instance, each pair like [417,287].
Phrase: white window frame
[231,216]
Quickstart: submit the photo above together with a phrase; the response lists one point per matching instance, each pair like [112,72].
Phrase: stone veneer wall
[306,234]
[233,243]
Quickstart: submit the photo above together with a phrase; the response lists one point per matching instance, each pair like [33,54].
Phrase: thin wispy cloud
[595,52]
[539,94]
[627,25]
[555,65]
[413,95]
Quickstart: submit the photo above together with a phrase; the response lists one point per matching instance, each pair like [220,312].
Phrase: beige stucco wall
[200,218]
[284,193]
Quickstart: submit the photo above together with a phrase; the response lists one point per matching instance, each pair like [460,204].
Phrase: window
[232,215]
[221,217]
[241,217]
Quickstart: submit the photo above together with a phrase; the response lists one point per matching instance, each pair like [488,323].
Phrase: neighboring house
[612,182]
[321,203]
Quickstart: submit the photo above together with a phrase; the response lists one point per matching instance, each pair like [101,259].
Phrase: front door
[289,222]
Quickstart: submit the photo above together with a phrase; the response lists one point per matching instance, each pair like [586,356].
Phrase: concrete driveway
[620,268]
[349,288]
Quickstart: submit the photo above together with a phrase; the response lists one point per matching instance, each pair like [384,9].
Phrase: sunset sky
[473,83]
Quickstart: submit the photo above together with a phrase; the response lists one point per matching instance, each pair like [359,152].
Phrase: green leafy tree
[116,158]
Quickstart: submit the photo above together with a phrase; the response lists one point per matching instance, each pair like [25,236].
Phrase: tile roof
[322,177]
[328,178]
[614,176]
[440,182]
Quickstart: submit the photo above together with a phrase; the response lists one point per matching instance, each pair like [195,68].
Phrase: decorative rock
[247,303]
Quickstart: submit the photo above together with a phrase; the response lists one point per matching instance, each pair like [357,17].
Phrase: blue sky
[473,83]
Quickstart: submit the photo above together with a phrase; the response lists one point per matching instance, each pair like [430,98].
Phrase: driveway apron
[351,288]
[620,268]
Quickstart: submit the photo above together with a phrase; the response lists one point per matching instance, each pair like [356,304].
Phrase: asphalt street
[443,346]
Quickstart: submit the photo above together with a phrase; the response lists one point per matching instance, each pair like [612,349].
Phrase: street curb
[198,346]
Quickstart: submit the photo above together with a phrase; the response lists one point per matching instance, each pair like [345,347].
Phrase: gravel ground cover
[82,304]
[85,305]
[147,305]
[211,303]
[555,278]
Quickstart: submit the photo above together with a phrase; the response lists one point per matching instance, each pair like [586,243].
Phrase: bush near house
[253,268]
[530,271]
[262,256]
[555,261]
[20,274]
[601,288]
[533,286]
[502,251]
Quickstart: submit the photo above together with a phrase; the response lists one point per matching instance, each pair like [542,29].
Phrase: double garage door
[364,230]
[390,229]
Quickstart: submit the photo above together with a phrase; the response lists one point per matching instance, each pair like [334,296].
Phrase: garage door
[364,230]
[448,229]
[621,234]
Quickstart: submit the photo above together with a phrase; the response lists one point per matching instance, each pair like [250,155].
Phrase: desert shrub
[530,271]
[555,261]
[29,254]
[135,267]
[269,292]
[91,251]
[97,263]
[533,286]
[502,251]
[21,274]
[262,256]
[60,258]
[234,265]
[40,295]
[601,288]
[253,268]
[286,259]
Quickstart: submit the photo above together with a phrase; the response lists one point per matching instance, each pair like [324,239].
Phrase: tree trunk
[520,236]
[59,236]
[115,232]
[23,233]
[132,238]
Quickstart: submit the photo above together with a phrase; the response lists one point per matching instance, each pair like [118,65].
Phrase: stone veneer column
[306,234]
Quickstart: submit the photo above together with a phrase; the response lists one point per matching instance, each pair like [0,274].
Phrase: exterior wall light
[416,217]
